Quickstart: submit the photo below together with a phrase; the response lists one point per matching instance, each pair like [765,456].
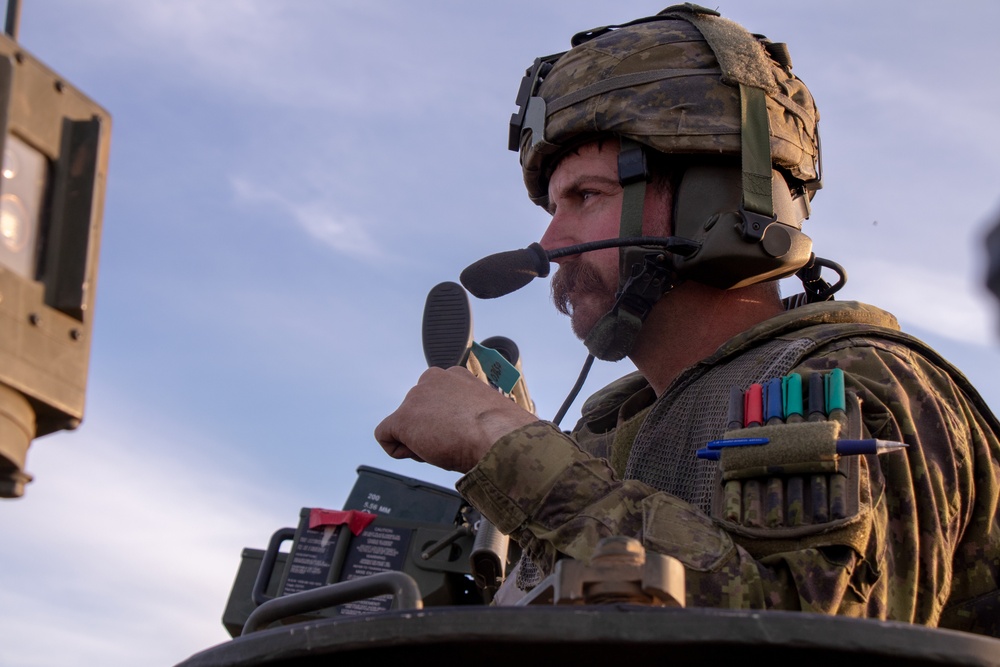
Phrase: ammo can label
[311,560]
[376,549]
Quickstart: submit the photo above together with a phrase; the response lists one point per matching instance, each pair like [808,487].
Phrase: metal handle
[258,595]
[398,584]
[446,541]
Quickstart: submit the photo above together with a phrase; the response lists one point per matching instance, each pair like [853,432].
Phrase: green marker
[836,400]
[834,385]
[791,394]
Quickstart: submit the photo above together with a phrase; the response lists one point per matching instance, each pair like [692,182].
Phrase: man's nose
[556,235]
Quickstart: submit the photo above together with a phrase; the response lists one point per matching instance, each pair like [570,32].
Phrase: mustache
[574,276]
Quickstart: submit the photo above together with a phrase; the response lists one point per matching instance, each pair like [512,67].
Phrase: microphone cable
[564,408]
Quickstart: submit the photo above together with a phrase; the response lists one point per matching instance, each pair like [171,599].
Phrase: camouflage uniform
[922,545]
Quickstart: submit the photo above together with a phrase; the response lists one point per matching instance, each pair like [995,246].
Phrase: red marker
[753,406]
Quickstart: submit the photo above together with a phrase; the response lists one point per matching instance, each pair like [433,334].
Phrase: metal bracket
[754,224]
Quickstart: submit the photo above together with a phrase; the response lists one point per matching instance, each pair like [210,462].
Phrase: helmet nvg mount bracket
[685,82]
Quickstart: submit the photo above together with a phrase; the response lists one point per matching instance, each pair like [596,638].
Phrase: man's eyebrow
[579,183]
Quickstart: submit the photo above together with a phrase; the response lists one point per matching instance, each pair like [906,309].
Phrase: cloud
[943,303]
[959,116]
[332,56]
[317,217]
[114,555]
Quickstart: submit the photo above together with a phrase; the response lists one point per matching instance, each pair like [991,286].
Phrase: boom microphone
[506,272]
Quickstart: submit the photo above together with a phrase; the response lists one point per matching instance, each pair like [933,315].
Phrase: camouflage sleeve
[926,516]
[934,552]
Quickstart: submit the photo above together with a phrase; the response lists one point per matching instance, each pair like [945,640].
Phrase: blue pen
[867,446]
[713,451]
[773,407]
[736,442]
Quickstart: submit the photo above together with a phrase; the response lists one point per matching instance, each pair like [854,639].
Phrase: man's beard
[573,281]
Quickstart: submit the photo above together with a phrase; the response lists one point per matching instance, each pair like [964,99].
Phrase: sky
[287,182]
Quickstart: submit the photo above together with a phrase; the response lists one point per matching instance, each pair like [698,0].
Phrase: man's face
[585,201]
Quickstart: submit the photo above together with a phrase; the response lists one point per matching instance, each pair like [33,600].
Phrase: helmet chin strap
[643,272]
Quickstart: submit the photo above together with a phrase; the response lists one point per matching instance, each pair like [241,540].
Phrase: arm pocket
[795,491]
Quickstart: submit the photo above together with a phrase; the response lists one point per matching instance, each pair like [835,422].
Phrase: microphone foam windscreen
[505,272]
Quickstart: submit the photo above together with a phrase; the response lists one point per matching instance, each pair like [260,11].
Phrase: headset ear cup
[707,210]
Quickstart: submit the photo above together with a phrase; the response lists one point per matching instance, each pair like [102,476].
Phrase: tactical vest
[691,412]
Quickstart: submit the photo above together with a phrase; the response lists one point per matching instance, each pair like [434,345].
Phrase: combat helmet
[684,82]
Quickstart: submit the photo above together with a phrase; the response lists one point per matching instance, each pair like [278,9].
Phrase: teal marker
[834,386]
[791,395]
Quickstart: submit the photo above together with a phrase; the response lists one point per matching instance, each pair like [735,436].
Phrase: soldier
[686,125]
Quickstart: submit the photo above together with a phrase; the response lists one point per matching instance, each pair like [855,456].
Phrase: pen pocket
[793,486]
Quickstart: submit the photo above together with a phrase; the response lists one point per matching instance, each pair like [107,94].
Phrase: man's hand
[449,419]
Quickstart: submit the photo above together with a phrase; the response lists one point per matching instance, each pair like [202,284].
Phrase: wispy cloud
[943,303]
[289,55]
[130,539]
[916,105]
[317,217]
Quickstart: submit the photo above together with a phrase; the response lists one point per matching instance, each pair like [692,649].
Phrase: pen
[753,409]
[773,405]
[818,483]
[834,387]
[868,446]
[836,400]
[736,442]
[791,392]
[713,451]
[817,403]
[735,416]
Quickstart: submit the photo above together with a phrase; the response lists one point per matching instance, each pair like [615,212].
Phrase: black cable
[575,390]
[672,244]
[816,288]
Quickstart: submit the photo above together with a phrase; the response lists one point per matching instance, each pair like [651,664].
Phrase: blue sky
[289,179]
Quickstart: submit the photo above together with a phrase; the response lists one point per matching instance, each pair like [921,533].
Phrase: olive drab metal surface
[55,143]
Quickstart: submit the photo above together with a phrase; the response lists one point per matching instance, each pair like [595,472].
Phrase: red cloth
[356,520]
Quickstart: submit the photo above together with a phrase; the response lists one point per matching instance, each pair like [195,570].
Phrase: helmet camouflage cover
[672,82]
